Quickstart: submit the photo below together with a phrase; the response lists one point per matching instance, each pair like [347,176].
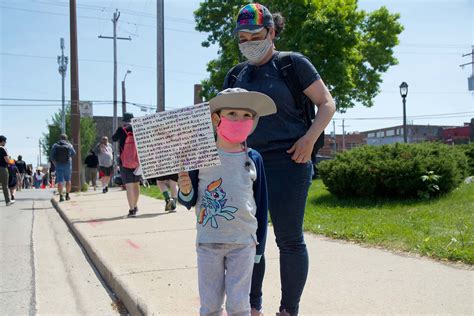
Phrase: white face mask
[255,51]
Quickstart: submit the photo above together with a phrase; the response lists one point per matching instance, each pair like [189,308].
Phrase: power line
[129,12]
[424,116]
[95,18]
[103,61]
[152,106]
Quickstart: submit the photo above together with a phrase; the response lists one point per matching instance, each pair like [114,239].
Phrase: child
[231,204]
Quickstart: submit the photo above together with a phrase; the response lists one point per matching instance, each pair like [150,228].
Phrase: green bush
[394,170]
[469,152]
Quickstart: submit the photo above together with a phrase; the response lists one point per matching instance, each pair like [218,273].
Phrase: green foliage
[394,170]
[441,228]
[88,132]
[84,187]
[469,152]
[349,47]
[430,179]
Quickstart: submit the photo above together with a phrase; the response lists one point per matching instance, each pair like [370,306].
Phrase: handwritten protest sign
[173,141]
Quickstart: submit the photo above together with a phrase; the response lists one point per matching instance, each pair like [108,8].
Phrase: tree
[350,48]
[88,132]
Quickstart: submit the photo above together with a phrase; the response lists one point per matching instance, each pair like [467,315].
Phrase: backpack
[287,71]
[62,152]
[129,155]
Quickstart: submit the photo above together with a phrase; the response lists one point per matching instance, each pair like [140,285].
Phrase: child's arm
[261,200]
[188,186]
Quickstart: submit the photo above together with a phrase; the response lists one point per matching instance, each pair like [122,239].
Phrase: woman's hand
[302,149]
[184,182]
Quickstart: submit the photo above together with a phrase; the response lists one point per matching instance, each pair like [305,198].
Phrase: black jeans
[288,184]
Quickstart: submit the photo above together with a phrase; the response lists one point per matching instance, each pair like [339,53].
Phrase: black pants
[4,182]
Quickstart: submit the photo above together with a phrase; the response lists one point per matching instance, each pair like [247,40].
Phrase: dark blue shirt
[279,131]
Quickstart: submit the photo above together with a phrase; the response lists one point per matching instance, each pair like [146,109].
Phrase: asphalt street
[43,269]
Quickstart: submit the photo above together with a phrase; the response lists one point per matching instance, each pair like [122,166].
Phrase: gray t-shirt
[279,131]
[105,155]
[225,206]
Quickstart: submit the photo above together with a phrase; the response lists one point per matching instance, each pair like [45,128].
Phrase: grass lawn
[442,228]
[152,191]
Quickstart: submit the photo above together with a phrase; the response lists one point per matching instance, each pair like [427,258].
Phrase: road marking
[132,244]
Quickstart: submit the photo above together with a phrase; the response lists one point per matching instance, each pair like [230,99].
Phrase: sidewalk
[150,262]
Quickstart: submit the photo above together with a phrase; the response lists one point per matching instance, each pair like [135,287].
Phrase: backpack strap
[288,72]
[233,74]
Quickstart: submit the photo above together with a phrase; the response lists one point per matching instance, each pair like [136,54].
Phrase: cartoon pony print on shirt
[213,205]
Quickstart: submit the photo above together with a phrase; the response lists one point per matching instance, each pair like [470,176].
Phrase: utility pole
[197,93]
[335,138]
[343,134]
[39,147]
[343,137]
[124,97]
[160,56]
[62,61]
[115,38]
[75,116]
[470,80]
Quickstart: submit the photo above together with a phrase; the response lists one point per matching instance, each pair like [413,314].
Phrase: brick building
[394,134]
[349,141]
[459,135]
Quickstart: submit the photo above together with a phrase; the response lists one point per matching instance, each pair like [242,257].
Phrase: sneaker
[172,207]
[11,202]
[61,198]
[13,197]
[67,197]
[283,313]
[104,190]
[256,312]
[133,213]
[167,205]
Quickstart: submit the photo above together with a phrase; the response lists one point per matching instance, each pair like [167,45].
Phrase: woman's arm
[319,95]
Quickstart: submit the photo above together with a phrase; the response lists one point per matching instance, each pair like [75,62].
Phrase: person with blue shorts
[61,155]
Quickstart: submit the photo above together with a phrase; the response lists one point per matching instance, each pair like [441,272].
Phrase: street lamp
[124,101]
[62,62]
[403,93]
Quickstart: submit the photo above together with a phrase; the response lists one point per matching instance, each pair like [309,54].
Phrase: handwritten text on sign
[173,141]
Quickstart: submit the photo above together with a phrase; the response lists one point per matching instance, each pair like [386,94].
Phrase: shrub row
[469,152]
[394,170]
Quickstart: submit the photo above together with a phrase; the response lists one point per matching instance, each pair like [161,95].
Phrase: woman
[285,142]
[13,177]
[92,163]
[37,178]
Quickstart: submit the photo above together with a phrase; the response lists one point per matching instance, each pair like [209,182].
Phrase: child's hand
[184,182]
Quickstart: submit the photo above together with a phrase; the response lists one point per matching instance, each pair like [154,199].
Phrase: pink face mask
[234,131]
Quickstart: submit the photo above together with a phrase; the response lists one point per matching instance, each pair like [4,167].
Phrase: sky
[437,33]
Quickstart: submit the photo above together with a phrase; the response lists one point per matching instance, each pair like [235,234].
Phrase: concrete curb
[132,301]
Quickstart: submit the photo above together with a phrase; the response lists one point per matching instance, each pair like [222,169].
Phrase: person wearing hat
[4,159]
[231,204]
[128,162]
[285,140]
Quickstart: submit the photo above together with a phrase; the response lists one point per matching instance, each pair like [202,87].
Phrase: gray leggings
[4,182]
[225,269]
